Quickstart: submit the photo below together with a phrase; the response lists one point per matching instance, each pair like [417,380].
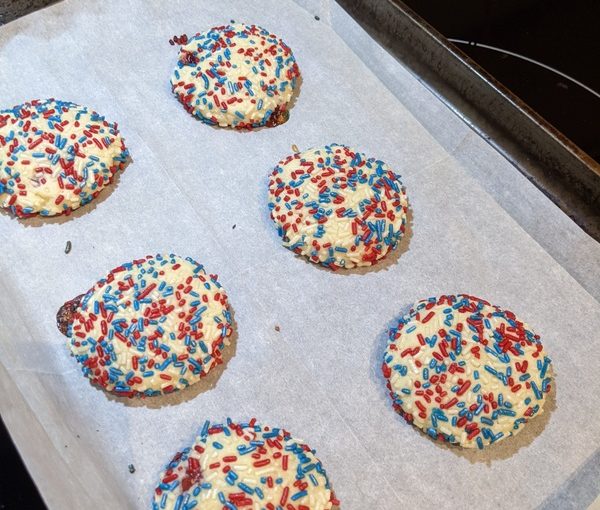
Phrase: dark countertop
[13,9]
[519,37]
[17,490]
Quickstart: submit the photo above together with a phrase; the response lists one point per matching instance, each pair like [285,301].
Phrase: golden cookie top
[337,206]
[153,325]
[244,465]
[55,156]
[466,371]
[235,75]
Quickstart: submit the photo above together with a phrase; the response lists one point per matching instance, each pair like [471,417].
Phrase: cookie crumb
[131,468]
[277,328]
[295,148]
[68,247]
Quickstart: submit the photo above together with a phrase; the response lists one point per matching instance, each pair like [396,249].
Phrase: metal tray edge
[552,162]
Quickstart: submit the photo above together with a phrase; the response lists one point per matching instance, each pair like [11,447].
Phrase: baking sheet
[578,253]
[319,376]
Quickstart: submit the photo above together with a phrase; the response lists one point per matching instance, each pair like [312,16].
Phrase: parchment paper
[577,252]
[319,376]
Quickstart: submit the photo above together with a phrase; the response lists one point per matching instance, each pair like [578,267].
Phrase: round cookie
[337,207]
[55,156]
[235,75]
[154,325]
[465,371]
[244,465]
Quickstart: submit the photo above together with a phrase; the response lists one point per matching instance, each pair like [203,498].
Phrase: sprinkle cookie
[337,207]
[244,465]
[55,157]
[235,75]
[465,371]
[154,325]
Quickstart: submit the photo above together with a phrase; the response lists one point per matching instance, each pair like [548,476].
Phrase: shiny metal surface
[560,169]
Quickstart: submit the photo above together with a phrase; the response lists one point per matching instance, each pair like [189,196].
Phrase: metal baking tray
[558,167]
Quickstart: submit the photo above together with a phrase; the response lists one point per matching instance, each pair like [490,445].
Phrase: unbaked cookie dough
[337,207]
[235,75]
[55,156]
[465,371]
[152,326]
[244,465]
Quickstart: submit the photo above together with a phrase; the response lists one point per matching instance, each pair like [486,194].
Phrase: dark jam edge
[66,314]
[279,116]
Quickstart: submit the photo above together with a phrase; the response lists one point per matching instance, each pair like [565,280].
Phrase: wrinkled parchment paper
[201,191]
